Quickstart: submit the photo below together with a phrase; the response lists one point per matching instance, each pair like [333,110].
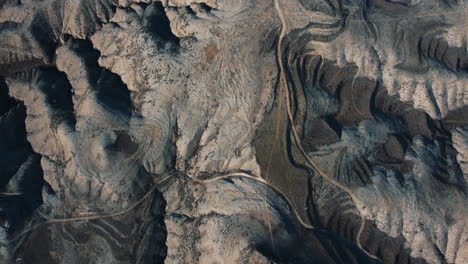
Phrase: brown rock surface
[222,131]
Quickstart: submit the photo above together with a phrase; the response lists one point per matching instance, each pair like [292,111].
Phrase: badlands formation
[233,131]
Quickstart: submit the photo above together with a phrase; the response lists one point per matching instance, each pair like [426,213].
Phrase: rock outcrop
[222,131]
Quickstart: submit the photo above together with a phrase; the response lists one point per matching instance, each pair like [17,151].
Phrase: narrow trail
[86,217]
[148,194]
[11,194]
[284,85]
[262,181]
